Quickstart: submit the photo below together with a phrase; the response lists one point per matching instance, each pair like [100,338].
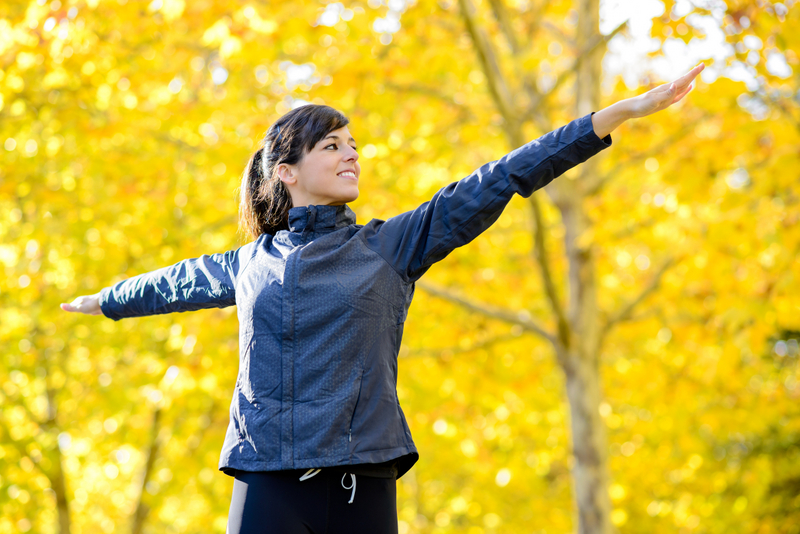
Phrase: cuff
[605,141]
[105,307]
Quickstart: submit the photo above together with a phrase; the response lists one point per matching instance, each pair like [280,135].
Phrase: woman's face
[322,177]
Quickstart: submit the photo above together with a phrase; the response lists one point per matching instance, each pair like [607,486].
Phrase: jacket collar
[320,218]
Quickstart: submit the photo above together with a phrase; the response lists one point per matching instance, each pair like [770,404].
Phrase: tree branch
[427,91]
[192,444]
[546,24]
[540,253]
[521,318]
[501,14]
[497,83]
[595,184]
[633,228]
[599,40]
[451,351]
[626,311]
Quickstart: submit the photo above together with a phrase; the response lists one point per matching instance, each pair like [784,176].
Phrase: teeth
[348,173]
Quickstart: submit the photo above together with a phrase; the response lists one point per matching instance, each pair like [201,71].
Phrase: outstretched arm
[208,281]
[606,120]
[413,241]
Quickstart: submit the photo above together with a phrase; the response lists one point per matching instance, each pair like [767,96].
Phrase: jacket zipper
[309,223]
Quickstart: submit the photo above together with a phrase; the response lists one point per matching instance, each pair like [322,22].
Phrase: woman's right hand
[88,304]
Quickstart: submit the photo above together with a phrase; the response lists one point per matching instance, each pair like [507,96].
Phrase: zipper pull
[350,435]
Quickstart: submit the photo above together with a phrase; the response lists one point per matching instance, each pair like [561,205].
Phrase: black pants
[277,502]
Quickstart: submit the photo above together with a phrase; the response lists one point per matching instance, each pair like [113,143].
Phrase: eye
[334,144]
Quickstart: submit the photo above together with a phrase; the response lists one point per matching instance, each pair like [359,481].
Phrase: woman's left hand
[664,95]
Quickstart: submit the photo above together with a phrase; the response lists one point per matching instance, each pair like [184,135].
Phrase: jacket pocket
[355,406]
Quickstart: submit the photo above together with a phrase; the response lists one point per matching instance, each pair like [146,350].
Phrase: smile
[348,174]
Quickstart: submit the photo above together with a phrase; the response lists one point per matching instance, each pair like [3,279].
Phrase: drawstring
[307,476]
[352,495]
[311,472]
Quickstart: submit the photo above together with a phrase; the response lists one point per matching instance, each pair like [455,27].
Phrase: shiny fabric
[322,306]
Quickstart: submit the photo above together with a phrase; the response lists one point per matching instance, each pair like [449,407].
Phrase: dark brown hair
[264,201]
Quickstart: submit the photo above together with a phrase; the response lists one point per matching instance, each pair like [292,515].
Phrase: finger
[667,94]
[681,86]
[692,74]
[669,89]
[663,88]
[76,305]
[684,93]
[687,78]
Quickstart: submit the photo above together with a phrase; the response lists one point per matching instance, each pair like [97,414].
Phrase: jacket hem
[406,457]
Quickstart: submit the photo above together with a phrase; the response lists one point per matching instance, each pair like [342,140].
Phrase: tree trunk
[59,486]
[589,445]
[578,333]
[57,478]
[142,508]
[580,361]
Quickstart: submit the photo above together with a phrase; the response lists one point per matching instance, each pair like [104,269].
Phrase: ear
[286,174]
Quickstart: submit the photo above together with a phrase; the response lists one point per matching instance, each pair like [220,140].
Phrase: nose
[353,155]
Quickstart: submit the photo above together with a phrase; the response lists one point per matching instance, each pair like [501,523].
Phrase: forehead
[341,134]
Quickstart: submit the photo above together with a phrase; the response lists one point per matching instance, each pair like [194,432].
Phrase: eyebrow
[337,138]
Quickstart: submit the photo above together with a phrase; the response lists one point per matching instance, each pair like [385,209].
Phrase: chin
[350,198]
[344,199]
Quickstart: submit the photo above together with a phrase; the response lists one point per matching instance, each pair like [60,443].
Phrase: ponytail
[265,201]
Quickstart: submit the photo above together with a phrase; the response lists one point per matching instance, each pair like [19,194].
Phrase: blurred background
[617,353]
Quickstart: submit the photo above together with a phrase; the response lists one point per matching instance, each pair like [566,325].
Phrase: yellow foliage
[121,146]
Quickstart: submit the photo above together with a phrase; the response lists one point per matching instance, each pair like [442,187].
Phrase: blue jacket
[321,310]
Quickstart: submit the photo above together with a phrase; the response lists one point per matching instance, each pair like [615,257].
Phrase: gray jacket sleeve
[413,241]
[192,284]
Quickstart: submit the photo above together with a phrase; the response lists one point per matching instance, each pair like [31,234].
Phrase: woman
[321,303]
